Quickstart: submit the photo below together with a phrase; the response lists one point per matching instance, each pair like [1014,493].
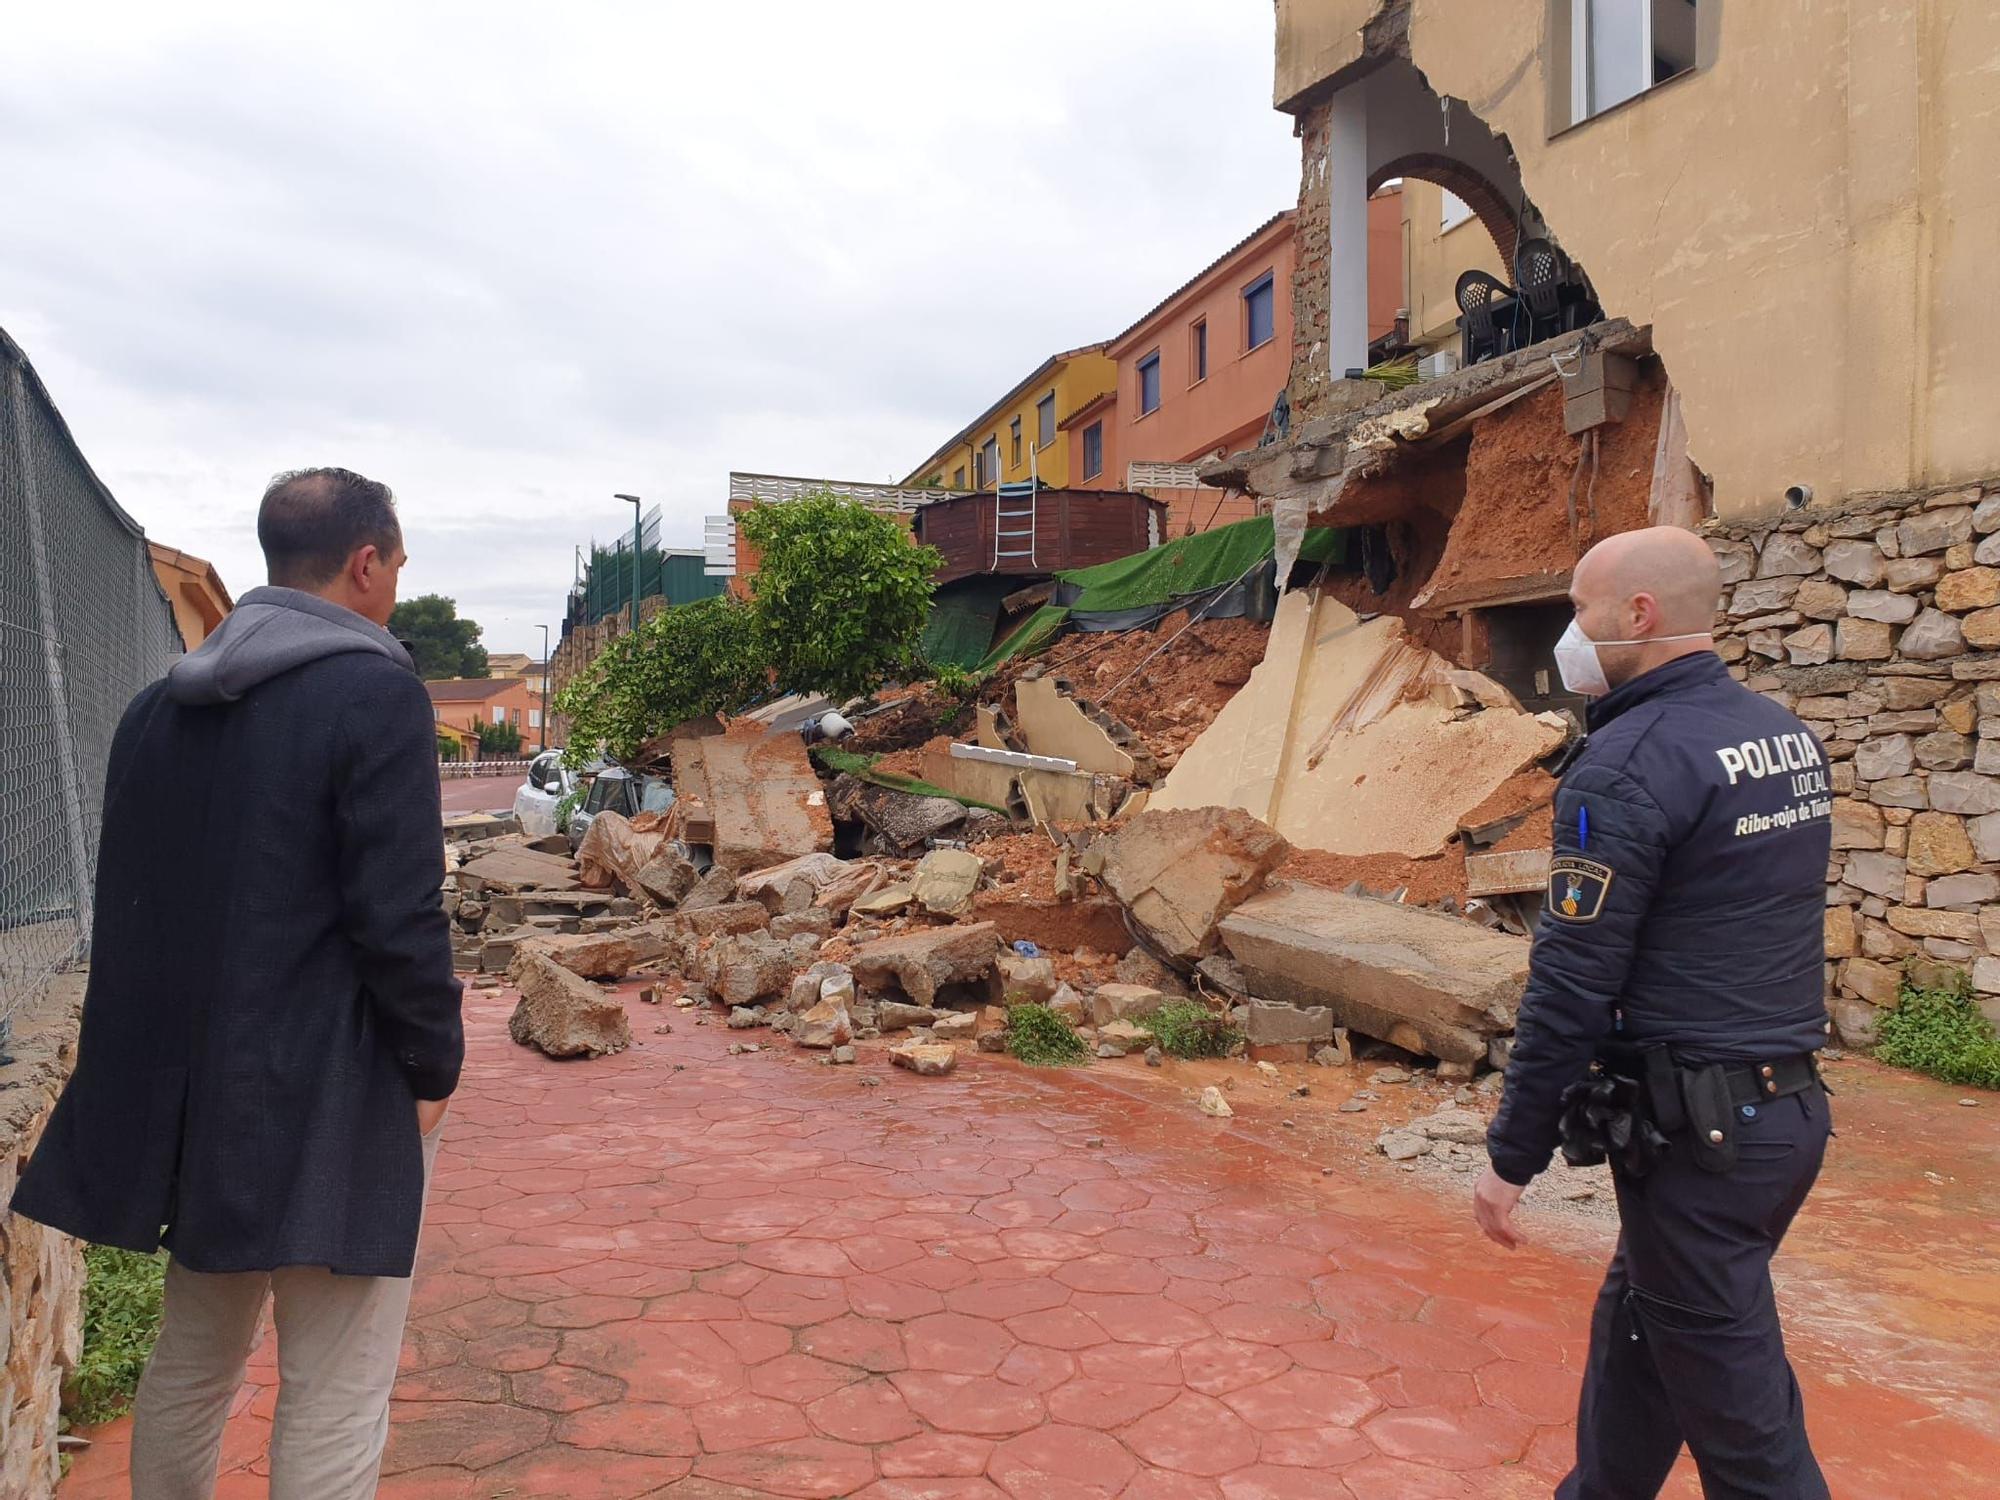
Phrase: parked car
[615,789]
[549,781]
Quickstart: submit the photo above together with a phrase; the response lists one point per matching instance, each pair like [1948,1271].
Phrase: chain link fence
[83,626]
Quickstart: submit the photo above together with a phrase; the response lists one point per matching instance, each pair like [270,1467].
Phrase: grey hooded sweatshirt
[271,631]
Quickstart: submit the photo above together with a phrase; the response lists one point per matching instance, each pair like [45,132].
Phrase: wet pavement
[680,1273]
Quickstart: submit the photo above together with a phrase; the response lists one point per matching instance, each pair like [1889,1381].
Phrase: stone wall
[41,1272]
[1878,622]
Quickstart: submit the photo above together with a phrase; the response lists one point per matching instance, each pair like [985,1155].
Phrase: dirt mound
[913,715]
[1426,881]
[1166,701]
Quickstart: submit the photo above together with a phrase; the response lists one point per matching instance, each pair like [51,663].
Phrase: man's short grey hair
[313,520]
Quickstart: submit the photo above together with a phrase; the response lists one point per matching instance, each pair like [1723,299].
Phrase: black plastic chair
[1542,271]
[1481,336]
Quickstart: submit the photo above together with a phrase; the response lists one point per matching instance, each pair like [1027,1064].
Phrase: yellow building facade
[1022,433]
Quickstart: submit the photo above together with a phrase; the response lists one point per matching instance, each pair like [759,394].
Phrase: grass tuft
[1941,1031]
[121,1317]
[1187,1028]
[1043,1038]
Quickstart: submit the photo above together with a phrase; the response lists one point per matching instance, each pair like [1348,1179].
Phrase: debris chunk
[925,1059]
[1212,1103]
[827,1024]
[1402,1145]
[563,1014]
[1181,873]
[922,963]
[1123,1002]
[945,880]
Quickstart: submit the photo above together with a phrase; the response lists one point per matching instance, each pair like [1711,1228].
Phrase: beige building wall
[1806,219]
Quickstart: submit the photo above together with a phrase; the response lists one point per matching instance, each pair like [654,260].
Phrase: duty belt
[1633,1120]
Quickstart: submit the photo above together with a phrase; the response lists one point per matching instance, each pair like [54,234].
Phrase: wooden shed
[1026,533]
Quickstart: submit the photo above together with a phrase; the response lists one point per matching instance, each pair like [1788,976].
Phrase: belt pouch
[1663,1090]
[1712,1121]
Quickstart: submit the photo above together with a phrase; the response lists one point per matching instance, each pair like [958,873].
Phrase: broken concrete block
[826,1024]
[816,920]
[745,1017]
[1420,980]
[1122,1037]
[1180,873]
[736,916]
[1402,1145]
[886,902]
[563,1014]
[1053,725]
[1026,981]
[667,877]
[945,880]
[925,1059]
[1120,1002]
[922,963]
[1266,1023]
[604,956]
[1068,1004]
[716,888]
[893,1015]
[751,966]
[955,1026]
[761,800]
[1212,1103]
[792,886]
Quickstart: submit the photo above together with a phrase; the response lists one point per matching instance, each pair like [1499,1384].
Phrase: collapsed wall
[1878,623]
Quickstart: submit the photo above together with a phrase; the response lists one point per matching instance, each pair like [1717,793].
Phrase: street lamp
[635,555]
[545,688]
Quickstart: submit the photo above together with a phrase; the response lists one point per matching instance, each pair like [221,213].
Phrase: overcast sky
[514,258]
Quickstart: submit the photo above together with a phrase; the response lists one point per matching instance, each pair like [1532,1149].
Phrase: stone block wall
[1878,623]
[41,1272]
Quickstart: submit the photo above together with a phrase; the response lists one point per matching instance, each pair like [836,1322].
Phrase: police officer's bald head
[1656,589]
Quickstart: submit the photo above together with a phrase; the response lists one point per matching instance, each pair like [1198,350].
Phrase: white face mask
[1582,669]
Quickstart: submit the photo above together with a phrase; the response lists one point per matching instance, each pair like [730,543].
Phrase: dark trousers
[1685,1345]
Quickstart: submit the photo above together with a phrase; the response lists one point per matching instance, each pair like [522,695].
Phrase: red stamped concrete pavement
[677,1273]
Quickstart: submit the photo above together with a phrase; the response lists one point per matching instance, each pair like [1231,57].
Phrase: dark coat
[1687,898]
[271,983]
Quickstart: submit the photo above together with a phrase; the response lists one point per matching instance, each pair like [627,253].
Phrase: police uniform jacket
[1687,895]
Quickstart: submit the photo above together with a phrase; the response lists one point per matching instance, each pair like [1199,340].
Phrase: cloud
[512,258]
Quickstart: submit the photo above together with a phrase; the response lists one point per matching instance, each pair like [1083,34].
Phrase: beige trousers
[339,1339]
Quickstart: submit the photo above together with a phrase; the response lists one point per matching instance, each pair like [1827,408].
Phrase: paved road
[480,793]
[683,1275]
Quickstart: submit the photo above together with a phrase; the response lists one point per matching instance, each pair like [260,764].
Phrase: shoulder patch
[1577,888]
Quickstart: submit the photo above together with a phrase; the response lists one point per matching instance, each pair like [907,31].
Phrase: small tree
[499,739]
[441,643]
[840,594]
[447,747]
[686,661]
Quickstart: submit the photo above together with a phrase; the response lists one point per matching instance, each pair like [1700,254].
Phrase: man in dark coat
[271,1027]
[1681,950]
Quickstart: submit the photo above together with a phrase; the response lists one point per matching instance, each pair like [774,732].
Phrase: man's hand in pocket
[430,1114]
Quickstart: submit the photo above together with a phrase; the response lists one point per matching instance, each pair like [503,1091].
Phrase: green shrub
[1940,1031]
[1187,1028]
[499,739]
[683,662]
[955,681]
[1042,1037]
[121,1318]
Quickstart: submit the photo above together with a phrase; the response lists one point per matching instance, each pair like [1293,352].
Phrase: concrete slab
[1421,980]
[1052,724]
[1332,744]
[759,793]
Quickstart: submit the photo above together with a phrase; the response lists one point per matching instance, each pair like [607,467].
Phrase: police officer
[1681,953]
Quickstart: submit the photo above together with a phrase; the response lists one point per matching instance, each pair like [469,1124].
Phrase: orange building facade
[194,589]
[466,703]
[1199,373]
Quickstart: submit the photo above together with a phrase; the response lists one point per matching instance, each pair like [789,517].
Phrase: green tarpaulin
[1137,590]
[959,631]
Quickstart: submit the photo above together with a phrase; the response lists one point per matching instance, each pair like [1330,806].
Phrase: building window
[534,718]
[958,477]
[499,715]
[1014,432]
[1456,211]
[1620,48]
[1045,421]
[989,463]
[1198,351]
[1093,450]
[1260,324]
[1149,383]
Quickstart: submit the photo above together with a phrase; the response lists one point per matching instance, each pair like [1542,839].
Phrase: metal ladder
[1015,503]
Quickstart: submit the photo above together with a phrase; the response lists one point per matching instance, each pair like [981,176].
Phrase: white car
[549,781]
